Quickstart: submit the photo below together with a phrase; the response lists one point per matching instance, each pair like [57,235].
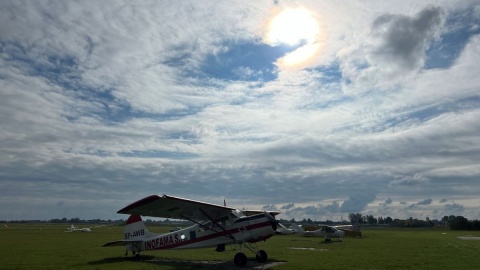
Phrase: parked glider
[215,225]
[284,230]
[328,232]
[72,228]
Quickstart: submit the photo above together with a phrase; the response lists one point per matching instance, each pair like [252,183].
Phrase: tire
[261,256]
[240,259]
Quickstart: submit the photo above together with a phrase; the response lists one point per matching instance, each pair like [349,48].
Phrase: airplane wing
[254,212]
[175,207]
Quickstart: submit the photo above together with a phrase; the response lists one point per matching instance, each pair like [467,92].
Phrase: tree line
[452,222]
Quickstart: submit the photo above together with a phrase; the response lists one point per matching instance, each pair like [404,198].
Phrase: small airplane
[284,230]
[214,225]
[328,232]
[76,229]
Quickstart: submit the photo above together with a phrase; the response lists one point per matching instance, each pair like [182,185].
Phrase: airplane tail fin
[297,228]
[135,229]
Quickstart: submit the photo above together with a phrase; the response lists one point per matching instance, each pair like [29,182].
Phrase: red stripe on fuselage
[207,237]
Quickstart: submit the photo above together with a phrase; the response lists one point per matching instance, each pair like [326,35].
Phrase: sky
[317,109]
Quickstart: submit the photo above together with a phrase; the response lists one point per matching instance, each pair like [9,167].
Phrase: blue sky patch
[444,51]
[245,61]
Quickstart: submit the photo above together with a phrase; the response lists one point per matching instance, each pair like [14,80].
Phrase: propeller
[272,220]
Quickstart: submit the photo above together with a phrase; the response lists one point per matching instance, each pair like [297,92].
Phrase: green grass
[40,246]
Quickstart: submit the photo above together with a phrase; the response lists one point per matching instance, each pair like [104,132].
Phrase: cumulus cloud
[269,207]
[387,202]
[400,41]
[425,202]
[454,209]
[357,202]
[417,179]
[288,206]
[394,51]
[119,96]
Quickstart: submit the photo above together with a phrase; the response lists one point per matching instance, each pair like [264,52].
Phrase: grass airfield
[45,246]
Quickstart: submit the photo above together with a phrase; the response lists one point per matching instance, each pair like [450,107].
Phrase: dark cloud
[454,209]
[269,207]
[333,208]
[443,200]
[287,206]
[357,202]
[402,40]
[425,202]
[387,202]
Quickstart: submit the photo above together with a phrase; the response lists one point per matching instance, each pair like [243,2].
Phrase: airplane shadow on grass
[178,264]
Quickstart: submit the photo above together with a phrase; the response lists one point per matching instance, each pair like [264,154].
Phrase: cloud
[394,51]
[387,202]
[138,98]
[287,206]
[454,209]
[425,202]
[400,41]
[415,180]
[357,202]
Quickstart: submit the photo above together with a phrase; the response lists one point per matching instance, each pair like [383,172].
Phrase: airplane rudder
[135,228]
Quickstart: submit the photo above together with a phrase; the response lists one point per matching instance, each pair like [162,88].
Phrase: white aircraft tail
[297,229]
[135,229]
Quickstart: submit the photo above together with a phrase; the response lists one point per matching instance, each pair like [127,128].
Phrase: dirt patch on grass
[305,248]
[469,237]
[251,264]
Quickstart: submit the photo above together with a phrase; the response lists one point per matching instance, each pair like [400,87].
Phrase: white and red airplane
[325,231]
[215,225]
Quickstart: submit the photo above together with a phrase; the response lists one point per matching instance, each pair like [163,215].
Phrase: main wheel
[261,256]
[240,259]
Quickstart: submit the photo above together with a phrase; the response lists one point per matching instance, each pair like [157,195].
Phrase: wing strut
[218,224]
[208,228]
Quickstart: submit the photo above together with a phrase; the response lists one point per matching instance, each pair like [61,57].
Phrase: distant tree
[476,224]
[388,220]
[381,220]
[371,219]
[355,218]
[460,223]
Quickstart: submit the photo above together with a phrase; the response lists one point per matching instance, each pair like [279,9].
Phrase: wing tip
[138,203]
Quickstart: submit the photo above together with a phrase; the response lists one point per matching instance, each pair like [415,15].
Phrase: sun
[296,27]
[293,27]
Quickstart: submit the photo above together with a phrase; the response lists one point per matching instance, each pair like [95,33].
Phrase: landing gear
[261,256]
[240,259]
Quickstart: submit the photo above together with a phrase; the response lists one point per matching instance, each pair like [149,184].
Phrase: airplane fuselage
[246,229]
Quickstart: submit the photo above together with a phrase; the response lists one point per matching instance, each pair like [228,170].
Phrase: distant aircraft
[76,229]
[328,232]
[284,230]
[215,225]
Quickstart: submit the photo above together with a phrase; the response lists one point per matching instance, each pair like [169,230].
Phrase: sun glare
[294,27]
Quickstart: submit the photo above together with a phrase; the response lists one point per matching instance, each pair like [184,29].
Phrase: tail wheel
[240,259]
[261,256]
